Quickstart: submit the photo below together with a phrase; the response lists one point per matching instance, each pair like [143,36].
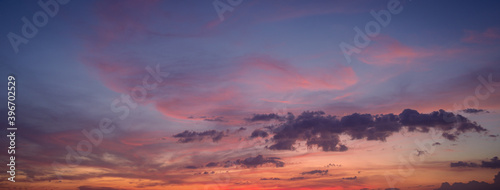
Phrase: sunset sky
[245,94]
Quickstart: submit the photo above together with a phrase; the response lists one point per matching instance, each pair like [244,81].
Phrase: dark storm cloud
[473,185]
[463,164]
[350,178]
[297,178]
[228,164]
[493,163]
[259,133]
[265,117]
[438,119]
[321,172]
[208,165]
[328,143]
[472,110]
[283,144]
[212,164]
[192,167]
[272,178]
[206,173]
[260,160]
[317,128]
[191,136]
[250,162]
[450,137]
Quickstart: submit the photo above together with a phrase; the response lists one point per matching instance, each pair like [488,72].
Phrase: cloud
[250,162]
[271,178]
[321,172]
[260,160]
[351,178]
[496,180]
[438,119]
[297,178]
[473,110]
[265,117]
[259,133]
[493,163]
[208,165]
[256,82]
[472,185]
[385,50]
[192,167]
[463,164]
[212,164]
[278,76]
[323,131]
[449,136]
[143,185]
[96,188]
[191,136]
[206,173]
[218,119]
[421,152]
[490,36]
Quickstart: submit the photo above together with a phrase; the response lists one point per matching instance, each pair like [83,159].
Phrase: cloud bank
[191,136]
[321,130]
[493,163]
[473,185]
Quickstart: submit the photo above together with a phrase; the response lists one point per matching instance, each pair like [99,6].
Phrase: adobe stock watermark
[38,20]
[122,106]
[426,147]
[372,29]
[223,7]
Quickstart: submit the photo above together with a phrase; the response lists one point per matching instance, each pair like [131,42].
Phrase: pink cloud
[490,36]
[230,92]
[219,101]
[244,87]
[385,50]
[252,84]
[279,76]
